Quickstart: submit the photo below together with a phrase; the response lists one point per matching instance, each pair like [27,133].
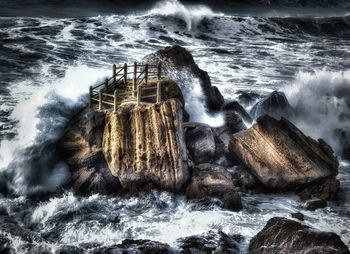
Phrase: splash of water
[191,14]
[322,103]
[29,162]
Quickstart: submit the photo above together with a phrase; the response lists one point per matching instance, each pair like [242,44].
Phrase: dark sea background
[52,51]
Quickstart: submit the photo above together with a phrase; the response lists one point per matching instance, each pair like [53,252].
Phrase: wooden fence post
[106,84]
[134,80]
[159,92]
[114,71]
[115,100]
[138,95]
[90,96]
[159,70]
[125,73]
[146,74]
[100,100]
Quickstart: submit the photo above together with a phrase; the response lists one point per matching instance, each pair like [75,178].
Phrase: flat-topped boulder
[145,145]
[281,156]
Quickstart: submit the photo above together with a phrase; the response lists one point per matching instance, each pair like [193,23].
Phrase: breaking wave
[322,103]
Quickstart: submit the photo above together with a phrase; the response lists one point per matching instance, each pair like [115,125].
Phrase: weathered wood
[125,73]
[159,92]
[159,70]
[138,95]
[100,100]
[115,101]
[114,72]
[146,74]
[90,96]
[134,80]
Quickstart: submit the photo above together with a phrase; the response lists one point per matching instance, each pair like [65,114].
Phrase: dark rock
[200,143]
[211,181]
[236,107]
[327,190]
[177,62]
[248,98]
[234,122]
[281,156]
[275,105]
[135,246]
[211,242]
[215,100]
[245,180]
[314,204]
[69,249]
[298,216]
[281,235]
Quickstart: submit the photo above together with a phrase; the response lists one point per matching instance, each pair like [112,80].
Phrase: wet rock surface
[211,181]
[282,235]
[281,156]
[212,242]
[274,104]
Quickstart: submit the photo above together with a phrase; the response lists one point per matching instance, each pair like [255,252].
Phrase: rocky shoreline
[140,148]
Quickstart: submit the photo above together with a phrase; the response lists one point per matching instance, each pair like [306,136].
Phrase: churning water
[47,64]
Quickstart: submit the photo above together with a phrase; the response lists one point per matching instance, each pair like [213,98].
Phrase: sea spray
[321,100]
[29,163]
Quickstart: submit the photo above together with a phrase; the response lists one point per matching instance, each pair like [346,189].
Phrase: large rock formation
[81,149]
[145,144]
[281,156]
[178,63]
[281,235]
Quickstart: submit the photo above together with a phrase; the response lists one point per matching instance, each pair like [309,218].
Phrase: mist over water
[47,65]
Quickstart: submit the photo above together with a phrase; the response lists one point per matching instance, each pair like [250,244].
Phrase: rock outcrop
[281,156]
[281,235]
[211,242]
[210,181]
[275,104]
[81,149]
[145,145]
[178,63]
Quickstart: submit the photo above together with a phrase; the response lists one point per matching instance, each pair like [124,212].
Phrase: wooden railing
[120,87]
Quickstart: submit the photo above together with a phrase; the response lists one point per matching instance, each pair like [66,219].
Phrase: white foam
[191,14]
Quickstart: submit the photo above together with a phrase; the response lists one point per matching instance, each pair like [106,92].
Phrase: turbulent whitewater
[47,65]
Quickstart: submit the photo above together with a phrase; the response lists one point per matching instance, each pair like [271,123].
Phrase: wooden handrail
[141,74]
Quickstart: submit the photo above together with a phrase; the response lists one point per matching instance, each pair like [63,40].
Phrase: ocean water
[47,63]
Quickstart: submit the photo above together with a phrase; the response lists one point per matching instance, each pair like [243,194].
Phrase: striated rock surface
[281,156]
[212,181]
[281,235]
[145,144]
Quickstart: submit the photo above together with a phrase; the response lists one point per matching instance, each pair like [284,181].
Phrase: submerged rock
[281,235]
[211,242]
[275,105]
[314,204]
[145,145]
[135,246]
[281,156]
[212,181]
[177,62]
